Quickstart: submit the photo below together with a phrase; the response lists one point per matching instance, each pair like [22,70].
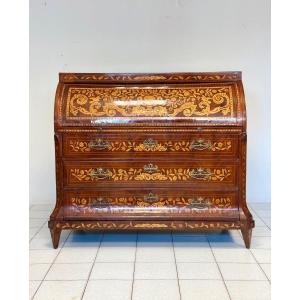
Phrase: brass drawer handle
[150,143]
[150,168]
[100,173]
[201,173]
[200,144]
[99,144]
[100,202]
[151,198]
[200,203]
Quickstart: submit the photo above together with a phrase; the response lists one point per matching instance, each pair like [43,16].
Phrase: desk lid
[165,99]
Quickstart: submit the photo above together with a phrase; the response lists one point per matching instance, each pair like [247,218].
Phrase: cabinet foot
[55,235]
[247,234]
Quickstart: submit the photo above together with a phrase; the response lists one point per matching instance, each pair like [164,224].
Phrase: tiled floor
[142,266]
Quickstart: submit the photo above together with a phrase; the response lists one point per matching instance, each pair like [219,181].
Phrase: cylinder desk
[162,151]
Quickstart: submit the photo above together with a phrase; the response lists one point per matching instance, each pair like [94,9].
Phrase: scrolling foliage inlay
[127,146]
[86,103]
[86,205]
[138,174]
[130,224]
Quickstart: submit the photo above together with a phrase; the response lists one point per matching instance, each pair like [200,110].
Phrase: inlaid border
[144,225]
[150,77]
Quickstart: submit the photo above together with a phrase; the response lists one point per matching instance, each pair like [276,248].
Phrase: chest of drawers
[151,152]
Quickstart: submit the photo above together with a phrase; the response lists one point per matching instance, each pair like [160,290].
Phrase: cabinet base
[56,227]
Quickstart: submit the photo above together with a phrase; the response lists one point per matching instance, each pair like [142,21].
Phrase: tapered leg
[55,235]
[247,234]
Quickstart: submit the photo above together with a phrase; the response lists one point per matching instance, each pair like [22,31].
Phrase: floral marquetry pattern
[72,77]
[91,205]
[138,174]
[168,146]
[86,103]
[178,225]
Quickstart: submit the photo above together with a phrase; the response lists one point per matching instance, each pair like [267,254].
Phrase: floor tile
[44,233]
[198,271]
[267,270]
[155,254]
[60,290]
[233,255]
[155,237]
[120,237]
[84,239]
[193,254]
[203,289]
[69,271]
[263,213]
[42,256]
[155,271]
[42,243]
[36,222]
[238,271]
[267,221]
[39,214]
[260,205]
[259,222]
[116,254]
[260,242]
[33,231]
[108,290]
[155,289]
[262,255]
[226,240]
[33,285]
[77,255]
[37,207]
[192,233]
[38,271]
[112,271]
[249,290]
[191,241]
[261,231]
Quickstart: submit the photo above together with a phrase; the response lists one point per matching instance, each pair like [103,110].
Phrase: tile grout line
[261,248]
[51,266]
[151,279]
[256,261]
[37,231]
[146,262]
[133,276]
[223,280]
[176,266]
[261,219]
[259,265]
[87,281]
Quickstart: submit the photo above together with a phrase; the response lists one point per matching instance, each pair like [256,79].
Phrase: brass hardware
[99,144]
[201,144]
[201,173]
[150,168]
[100,173]
[200,203]
[151,198]
[100,202]
[150,143]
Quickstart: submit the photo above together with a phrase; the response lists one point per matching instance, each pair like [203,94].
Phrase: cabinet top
[152,99]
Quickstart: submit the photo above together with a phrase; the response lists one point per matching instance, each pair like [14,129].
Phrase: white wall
[148,36]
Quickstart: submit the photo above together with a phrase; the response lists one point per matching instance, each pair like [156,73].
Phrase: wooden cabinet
[150,151]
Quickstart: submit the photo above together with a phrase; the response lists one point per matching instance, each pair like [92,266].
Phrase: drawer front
[101,173]
[150,202]
[139,144]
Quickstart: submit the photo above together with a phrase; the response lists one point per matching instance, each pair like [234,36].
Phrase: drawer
[153,203]
[139,144]
[117,173]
